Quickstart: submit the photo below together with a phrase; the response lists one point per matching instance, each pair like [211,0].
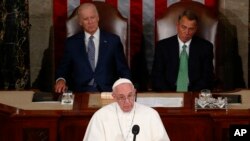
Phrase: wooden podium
[23,120]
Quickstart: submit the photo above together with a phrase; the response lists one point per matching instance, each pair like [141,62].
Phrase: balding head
[85,6]
[88,17]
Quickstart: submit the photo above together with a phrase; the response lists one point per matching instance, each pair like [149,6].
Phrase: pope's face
[88,19]
[186,28]
[124,94]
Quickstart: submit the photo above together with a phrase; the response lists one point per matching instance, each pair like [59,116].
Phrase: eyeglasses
[122,98]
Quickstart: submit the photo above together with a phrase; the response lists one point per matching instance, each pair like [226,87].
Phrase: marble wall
[236,12]
[14,45]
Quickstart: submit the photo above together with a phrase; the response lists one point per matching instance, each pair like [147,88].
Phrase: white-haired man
[93,58]
[115,121]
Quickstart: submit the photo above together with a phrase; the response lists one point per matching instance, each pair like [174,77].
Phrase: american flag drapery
[141,15]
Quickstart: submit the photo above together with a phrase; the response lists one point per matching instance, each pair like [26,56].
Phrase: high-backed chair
[110,20]
[208,21]
[207,28]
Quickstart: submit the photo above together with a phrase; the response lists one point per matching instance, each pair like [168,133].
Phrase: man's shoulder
[76,36]
[167,43]
[108,34]
[145,109]
[201,40]
[106,108]
[168,40]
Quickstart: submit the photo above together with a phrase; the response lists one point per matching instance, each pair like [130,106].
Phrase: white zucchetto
[121,81]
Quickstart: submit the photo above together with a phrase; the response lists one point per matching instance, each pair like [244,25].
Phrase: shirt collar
[181,43]
[96,34]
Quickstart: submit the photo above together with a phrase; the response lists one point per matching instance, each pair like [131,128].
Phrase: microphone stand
[134,139]
[135,131]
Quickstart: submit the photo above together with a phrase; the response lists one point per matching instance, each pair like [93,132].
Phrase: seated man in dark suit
[193,55]
[93,59]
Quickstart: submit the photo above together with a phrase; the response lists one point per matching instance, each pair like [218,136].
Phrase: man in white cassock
[115,121]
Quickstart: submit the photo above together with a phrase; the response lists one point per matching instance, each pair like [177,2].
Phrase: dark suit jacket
[76,69]
[166,65]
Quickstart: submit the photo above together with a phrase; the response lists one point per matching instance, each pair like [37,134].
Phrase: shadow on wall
[45,79]
[228,61]
[139,71]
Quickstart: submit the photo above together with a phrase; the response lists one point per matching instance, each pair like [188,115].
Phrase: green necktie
[182,80]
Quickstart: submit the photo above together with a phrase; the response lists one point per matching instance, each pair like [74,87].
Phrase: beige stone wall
[237,14]
[40,12]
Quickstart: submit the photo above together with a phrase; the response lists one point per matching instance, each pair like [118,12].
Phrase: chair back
[207,27]
[110,20]
[208,21]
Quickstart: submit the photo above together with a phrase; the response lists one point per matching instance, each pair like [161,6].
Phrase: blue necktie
[182,80]
[91,56]
[91,52]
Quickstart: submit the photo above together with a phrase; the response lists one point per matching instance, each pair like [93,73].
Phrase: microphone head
[135,129]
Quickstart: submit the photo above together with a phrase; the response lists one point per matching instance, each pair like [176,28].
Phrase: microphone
[135,131]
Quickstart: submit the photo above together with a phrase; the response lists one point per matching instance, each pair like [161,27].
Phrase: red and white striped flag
[141,15]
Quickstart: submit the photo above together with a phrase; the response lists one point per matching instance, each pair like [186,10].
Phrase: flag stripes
[141,15]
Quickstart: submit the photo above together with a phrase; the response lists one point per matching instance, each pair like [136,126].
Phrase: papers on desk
[23,100]
[161,101]
[154,100]
[106,95]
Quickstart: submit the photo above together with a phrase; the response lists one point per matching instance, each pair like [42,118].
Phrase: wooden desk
[69,124]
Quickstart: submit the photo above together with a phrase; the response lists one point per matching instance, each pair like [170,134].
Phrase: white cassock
[110,123]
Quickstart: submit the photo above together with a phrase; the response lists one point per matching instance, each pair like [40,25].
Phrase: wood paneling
[69,125]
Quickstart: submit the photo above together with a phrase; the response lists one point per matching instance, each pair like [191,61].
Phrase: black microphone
[135,131]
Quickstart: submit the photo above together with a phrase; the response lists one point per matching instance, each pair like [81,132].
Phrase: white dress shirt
[96,41]
[181,44]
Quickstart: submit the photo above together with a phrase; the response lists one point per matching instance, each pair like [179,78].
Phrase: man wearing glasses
[115,121]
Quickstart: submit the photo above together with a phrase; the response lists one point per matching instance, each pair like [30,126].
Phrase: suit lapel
[84,50]
[103,44]
[193,56]
[176,56]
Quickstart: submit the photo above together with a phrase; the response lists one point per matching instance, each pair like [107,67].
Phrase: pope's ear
[135,90]
[113,95]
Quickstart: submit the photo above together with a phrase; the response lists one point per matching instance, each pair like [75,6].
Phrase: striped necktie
[91,52]
[91,56]
[182,80]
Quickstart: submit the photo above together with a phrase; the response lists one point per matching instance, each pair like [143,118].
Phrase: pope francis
[115,121]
